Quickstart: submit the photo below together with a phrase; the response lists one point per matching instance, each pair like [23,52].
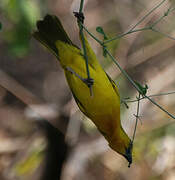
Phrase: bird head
[122,144]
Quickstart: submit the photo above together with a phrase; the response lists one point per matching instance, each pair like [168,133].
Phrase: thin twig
[84,47]
[135,85]
[81,6]
[154,95]
[137,117]
[162,94]
[131,81]
[141,20]
[150,12]
[124,34]
[100,42]
[164,34]
[169,114]
[122,70]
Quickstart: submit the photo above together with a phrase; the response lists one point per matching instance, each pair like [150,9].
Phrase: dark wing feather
[113,85]
[49,30]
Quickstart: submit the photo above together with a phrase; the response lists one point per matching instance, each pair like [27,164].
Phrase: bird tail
[49,30]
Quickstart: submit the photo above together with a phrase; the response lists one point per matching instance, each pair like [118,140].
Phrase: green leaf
[143,89]
[101,31]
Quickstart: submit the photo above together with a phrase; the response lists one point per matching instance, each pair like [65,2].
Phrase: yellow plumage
[103,108]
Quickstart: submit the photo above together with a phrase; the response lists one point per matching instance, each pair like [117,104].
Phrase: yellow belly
[103,108]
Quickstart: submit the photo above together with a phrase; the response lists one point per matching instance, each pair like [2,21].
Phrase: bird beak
[128,154]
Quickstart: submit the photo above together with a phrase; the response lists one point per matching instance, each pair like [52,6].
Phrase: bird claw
[79,16]
[88,81]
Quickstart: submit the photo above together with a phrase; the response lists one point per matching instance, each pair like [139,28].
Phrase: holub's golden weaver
[103,108]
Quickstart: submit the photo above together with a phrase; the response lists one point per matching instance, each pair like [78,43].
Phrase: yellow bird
[103,108]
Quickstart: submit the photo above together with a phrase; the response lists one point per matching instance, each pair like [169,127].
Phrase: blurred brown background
[35,99]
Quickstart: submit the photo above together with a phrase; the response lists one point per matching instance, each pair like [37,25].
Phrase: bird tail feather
[50,30]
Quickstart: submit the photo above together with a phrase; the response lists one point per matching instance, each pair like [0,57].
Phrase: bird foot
[88,81]
[80,16]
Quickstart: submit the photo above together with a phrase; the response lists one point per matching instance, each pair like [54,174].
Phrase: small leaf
[100,30]
[143,89]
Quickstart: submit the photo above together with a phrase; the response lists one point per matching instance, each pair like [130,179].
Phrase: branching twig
[154,95]
[139,22]
[164,34]
[118,65]
[135,85]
